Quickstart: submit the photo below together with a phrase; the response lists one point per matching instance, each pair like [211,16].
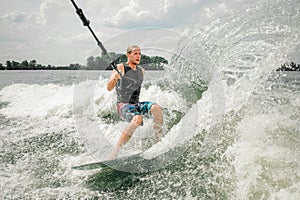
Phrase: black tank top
[129,87]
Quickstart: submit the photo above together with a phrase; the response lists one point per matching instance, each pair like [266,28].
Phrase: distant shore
[146,67]
[93,63]
[32,65]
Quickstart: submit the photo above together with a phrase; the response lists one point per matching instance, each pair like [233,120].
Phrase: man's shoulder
[142,69]
[121,66]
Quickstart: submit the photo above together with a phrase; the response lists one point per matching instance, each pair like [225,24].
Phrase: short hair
[132,47]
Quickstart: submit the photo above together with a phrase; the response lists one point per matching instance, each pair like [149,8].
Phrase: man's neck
[132,65]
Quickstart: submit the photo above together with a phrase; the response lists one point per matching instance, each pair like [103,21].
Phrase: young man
[128,87]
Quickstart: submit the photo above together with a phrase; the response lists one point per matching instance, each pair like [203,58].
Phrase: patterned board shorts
[127,111]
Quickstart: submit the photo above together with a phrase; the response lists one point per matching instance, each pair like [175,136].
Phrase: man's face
[134,56]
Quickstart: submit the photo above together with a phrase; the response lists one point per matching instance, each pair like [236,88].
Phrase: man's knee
[137,119]
[155,109]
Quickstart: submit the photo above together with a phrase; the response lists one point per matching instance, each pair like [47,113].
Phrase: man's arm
[115,76]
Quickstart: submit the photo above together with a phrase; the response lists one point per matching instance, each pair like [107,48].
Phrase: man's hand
[115,76]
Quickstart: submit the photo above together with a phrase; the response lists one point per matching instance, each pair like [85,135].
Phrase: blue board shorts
[127,111]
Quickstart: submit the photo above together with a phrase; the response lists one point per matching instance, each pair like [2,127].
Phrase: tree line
[92,63]
[103,63]
[33,65]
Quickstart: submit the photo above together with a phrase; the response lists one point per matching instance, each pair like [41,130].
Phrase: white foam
[36,100]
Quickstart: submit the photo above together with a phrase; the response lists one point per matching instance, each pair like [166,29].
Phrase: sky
[50,32]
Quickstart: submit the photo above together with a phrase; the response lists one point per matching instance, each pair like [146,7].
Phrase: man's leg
[126,134]
[157,115]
